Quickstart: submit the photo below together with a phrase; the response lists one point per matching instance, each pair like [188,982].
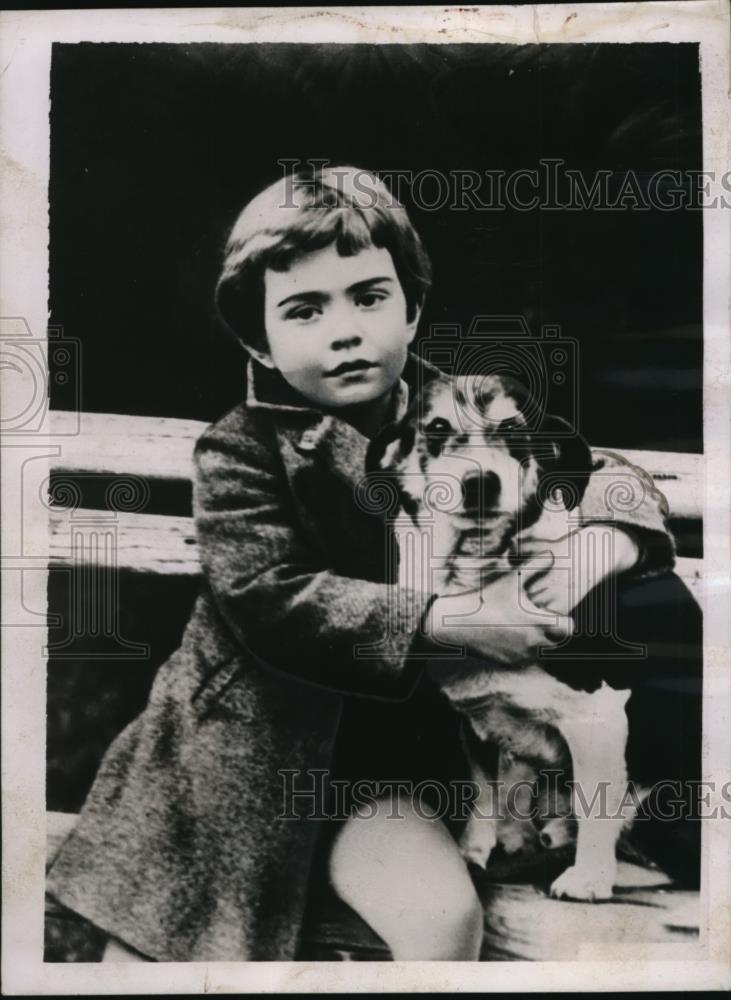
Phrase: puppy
[473,482]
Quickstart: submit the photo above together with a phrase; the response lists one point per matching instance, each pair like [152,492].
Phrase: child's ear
[263,357]
[413,323]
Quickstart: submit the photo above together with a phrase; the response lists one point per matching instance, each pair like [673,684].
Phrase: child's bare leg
[115,951]
[406,878]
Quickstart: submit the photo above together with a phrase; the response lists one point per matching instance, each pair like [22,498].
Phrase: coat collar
[341,445]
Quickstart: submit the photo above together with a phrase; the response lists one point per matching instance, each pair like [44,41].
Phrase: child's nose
[342,343]
[347,327]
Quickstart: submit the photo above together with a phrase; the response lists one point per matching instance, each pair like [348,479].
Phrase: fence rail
[162,448]
[163,544]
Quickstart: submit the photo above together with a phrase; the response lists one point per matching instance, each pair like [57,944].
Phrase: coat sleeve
[626,495]
[281,602]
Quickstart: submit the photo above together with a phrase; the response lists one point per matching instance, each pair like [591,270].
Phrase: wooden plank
[678,475]
[145,543]
[646,915]
[162,447]
[157,543]
[691,572]
[117,444]
[58,826]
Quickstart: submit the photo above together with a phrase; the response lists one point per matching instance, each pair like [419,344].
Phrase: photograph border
[26,39]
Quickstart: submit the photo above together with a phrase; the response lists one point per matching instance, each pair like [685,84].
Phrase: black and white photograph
[366,475]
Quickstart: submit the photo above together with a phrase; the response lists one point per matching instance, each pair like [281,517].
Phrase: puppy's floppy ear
[570,464]
[390,443]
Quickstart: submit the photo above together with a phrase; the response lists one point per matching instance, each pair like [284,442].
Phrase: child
[188,847]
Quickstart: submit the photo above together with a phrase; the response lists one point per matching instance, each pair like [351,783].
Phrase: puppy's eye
[436,432]
[438,426]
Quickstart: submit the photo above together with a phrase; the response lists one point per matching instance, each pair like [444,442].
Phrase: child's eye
[370,299]
[303,312]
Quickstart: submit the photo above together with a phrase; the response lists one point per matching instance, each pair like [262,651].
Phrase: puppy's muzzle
[481,492]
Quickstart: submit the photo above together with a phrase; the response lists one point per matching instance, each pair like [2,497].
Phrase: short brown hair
[309,211]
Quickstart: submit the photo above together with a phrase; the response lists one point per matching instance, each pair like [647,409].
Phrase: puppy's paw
[583,884]
[478,841]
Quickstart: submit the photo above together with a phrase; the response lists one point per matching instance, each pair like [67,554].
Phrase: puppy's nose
[555,833]
[481,490]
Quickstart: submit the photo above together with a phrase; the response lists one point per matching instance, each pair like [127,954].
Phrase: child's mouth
[349,367]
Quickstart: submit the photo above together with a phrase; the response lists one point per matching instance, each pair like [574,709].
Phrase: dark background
[154,150]
[156,147]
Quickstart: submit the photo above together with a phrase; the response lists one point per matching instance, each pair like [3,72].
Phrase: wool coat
[191,845]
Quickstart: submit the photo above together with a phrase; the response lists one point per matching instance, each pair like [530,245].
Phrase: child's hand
[577,563]
[498,623]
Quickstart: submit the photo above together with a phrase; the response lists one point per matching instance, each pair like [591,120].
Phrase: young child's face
[336,326]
